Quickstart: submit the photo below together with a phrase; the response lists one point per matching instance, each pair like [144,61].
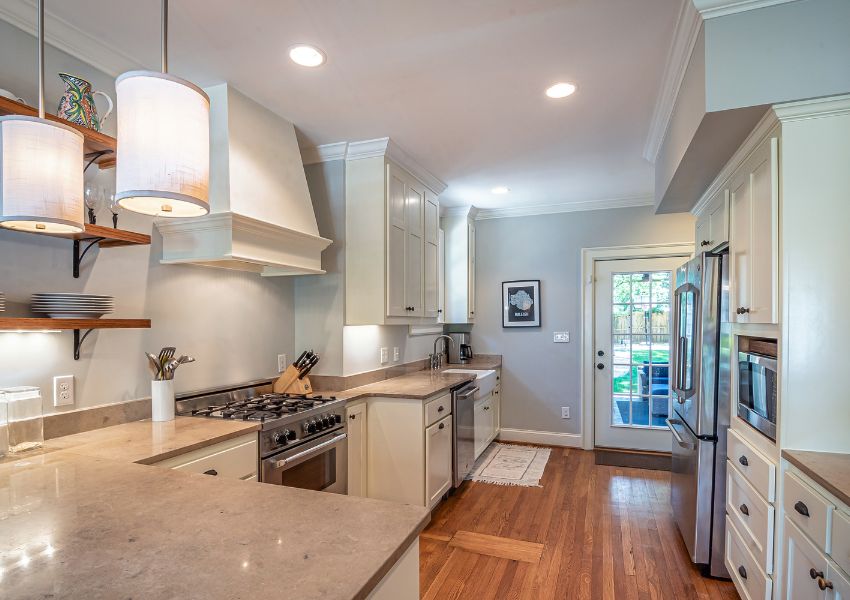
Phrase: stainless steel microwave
[757,391]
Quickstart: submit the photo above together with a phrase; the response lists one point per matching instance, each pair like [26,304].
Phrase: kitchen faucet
[437,359]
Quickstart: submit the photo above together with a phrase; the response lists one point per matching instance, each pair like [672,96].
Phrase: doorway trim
[589,257]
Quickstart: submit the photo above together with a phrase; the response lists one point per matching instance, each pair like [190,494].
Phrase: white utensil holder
[162,400]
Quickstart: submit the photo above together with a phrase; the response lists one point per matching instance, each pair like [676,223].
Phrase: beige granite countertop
[76,526]
[829,469]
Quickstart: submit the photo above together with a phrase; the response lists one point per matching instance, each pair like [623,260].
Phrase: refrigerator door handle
[676,435]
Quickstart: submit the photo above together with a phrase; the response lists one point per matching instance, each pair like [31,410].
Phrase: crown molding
[759,133]
[324,153]
[565,207]
[388,148]
[468,211]
[684,39]
[69,38]
[709,9]
[816,108]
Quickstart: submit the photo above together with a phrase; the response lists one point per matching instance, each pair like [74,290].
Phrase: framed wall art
[521,303]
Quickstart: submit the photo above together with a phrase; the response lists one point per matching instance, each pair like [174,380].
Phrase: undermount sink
[485,379]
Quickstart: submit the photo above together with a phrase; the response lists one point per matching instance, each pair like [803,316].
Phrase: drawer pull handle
[441,409]
[801,508]
[743,460]
[442,425]
[814,573]
[823,584]
[212,472]
[745,509]
[742,571]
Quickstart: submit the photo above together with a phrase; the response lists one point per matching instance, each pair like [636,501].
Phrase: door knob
[600,366]
[600,353]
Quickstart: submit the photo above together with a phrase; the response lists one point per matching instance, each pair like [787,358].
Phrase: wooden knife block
[288,383]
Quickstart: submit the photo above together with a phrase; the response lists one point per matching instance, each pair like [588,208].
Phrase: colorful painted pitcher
[77,103]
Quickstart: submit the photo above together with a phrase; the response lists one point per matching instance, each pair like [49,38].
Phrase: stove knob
[290,434]
[326,422]
[310,427]
[279,438]
[337,418]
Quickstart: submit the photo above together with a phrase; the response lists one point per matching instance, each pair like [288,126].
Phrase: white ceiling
[457,83]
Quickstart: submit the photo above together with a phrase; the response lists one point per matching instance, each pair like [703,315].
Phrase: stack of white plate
[72,306]
[2,302]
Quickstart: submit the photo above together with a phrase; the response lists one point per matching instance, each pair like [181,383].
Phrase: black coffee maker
[460,352]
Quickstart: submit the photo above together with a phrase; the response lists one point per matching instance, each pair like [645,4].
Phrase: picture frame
[521,306]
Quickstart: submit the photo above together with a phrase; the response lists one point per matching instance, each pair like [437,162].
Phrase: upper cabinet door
[718,219]
[396,244]
[471,271]
[431,275]
[415,247]
[753,244]
[702,236]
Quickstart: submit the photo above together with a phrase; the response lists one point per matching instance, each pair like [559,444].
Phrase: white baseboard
[546,438]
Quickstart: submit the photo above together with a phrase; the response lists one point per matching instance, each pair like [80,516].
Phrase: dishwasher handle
[464,394]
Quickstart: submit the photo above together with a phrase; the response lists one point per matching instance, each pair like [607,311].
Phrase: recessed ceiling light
[500,189]
[560,90]
[307,56]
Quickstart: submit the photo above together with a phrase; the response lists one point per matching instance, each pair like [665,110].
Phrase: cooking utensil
[154,365]
[168,369]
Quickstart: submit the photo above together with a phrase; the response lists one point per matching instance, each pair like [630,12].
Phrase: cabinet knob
[814,573]
[705,243]
[742,572]
[745,509]
[352,417]
[823,584]
[439,311]
[742,310]
[801,508]
[743,460]
[442,425]
[212,472]
[441,409]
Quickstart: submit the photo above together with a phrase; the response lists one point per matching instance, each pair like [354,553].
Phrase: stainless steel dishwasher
[463,431]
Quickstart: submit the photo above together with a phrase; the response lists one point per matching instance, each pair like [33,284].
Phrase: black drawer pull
[802,508]
[441,409]
[743,460]
[212,472]
[442,425]
[742,571]
[814,573]
[745,509]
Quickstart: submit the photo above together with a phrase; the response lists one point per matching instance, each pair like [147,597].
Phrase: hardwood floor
[606,533]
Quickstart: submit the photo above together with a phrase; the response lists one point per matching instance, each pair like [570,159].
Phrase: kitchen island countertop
[76,526]
[829,469]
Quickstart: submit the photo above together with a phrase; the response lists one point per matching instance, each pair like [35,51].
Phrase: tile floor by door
[591,532]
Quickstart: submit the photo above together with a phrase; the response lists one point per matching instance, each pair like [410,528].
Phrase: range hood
[261,215]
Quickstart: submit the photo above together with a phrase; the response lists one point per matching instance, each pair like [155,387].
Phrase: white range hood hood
[261,216]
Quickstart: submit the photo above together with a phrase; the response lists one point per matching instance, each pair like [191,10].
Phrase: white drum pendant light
[41,167]
[163,161]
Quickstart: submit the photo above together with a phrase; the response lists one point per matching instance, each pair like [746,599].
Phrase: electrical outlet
[63,390]
[385,355]
[565,412]
[395,353]
[282,363]
[562,337]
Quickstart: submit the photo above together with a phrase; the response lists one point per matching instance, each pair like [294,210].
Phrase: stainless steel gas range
[302,438]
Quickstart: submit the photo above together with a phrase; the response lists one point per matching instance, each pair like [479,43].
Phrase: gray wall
[235,324]
[538,376]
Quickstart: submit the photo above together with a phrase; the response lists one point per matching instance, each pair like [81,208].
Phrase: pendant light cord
[164,40]
[40,59]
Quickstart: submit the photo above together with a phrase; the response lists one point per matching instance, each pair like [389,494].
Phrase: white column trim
[589,256]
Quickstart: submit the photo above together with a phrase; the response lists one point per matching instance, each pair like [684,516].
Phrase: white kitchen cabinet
[237,458]
[754,239]
[356,416]
[431,263]
[804,564]
[441,278]
[438,460]
[392,243]
[712,225]
[459,227]
[409,455]
[485,423]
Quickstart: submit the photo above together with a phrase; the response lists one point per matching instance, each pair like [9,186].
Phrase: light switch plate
[385,355]
[565,412]
[282,363]
[395,353]
[562,337]
[63,390]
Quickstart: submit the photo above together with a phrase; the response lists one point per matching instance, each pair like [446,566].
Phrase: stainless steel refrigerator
[700,361]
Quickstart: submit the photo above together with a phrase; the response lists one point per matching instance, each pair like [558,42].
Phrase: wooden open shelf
[108,237]
[95,141]
[40,324]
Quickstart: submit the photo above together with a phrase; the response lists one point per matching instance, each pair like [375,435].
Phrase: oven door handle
[314,450]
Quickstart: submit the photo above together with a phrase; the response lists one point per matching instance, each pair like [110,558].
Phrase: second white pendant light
[163,160]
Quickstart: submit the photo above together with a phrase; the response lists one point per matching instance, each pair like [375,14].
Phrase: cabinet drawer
[807,509]
[840,540]
[750,580]
[233,459]
[753,465]
[438,409]
[752,516]
[803,565]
